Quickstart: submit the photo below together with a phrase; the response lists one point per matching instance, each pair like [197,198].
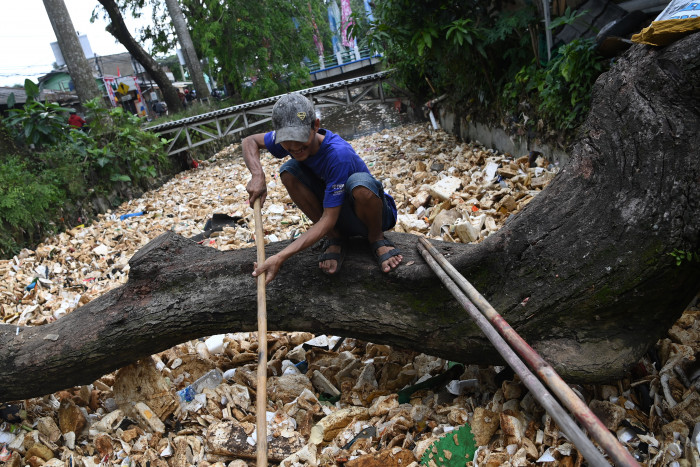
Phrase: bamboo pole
[544,370]
[261,395]
[537,389]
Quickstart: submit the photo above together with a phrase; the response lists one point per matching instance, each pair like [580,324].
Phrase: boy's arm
[257,186]
[310,237]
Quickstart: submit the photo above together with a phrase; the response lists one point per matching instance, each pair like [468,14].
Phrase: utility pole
[78,67]
[191,59]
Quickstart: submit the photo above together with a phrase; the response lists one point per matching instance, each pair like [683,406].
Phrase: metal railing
[195,131]
[342,58]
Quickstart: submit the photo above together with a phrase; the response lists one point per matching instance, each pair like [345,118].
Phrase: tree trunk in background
[584,272]
[78,67]
[191,59]
[118,29]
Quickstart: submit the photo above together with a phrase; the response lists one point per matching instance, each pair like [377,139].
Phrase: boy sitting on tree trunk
[328,181]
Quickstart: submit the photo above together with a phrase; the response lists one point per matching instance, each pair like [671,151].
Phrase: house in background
[122,80]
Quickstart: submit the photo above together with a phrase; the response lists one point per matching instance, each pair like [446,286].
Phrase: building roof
[20,95]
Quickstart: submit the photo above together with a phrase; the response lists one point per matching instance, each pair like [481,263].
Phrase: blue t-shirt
[333,163]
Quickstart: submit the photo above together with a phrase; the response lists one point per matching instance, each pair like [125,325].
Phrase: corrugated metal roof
[20,95]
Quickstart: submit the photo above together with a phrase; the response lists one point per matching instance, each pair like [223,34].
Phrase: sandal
[339,257]
[380,259]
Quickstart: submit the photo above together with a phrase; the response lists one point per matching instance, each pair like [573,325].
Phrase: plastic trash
[369,432]
[453,372]
[133,214]
[490,170]
[457,387]
[209,381]
[215,344]
[501,182]
[6,438]
[453,449]
[187,394]
[42,271]
[276,209]
[5,454]
[303,366]
[546,457]
[318,341]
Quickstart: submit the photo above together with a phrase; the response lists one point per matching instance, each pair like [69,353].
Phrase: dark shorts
[348,222]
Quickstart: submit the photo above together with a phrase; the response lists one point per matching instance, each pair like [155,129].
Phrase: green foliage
[569,17]
[118,149]
[35,187]
[27,197]
[256,49]
[173,64]
[359,23]
[561,91]
[465,49]
[684,255]
[484,56]
[38,123]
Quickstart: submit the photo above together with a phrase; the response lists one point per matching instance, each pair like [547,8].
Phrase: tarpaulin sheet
[679,18]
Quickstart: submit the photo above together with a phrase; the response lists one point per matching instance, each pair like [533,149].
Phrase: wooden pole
[261,395]
[544,370]
[537,389]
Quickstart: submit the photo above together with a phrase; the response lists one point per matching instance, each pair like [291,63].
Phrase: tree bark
[584,273]
[78,67]
[191,59]
[118,29]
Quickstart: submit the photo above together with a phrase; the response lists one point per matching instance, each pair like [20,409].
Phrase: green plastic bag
[454,449]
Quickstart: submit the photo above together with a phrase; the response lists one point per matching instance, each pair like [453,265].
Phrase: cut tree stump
[585,273]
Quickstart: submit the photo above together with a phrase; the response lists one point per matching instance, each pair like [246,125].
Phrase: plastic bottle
[210,380]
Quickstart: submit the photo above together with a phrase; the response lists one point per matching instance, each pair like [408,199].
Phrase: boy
[328,181]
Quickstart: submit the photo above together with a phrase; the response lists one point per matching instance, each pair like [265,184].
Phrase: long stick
[544,370]
[261,396]
[537,389]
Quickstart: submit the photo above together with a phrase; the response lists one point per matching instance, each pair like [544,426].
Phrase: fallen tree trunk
[585,273]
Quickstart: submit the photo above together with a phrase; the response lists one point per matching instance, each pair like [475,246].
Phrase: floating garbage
[209,381]
[411,400]
[133,214]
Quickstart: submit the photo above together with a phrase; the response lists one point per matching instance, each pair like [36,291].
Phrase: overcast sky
[26,35]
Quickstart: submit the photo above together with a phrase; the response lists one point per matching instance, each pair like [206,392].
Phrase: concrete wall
[497,138]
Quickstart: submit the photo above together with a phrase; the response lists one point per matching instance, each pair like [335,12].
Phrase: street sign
[123,88]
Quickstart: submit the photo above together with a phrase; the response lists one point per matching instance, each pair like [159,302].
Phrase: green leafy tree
[173,64]
[112,11]
[26,197]
[184,38]
[67,166]
[484,55]
[259,46]
[467,49]
[256,48]
[561,90]
[118,149]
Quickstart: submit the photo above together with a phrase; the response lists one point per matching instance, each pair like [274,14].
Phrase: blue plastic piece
[303,366]
[133,214]
[187,394]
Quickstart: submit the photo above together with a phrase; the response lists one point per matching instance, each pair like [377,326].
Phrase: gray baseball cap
[293,116]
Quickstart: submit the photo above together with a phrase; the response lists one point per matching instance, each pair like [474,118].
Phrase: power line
[2,75]
[3,67]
